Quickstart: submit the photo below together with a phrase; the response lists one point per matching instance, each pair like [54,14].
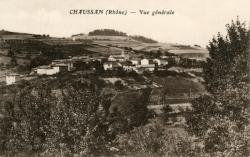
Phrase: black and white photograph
[124,78]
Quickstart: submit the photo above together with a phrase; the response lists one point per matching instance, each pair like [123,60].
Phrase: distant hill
[111,35]
[14,35]
[143,39]
[111,32]
[107,32]
[4,32]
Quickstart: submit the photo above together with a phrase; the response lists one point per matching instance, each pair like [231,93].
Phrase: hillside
[101,42]
[107,32]
[4,32]
[143,39]
[178,49]
[19,52]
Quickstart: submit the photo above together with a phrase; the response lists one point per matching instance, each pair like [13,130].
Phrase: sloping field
[106,51]
[175,89]
[106,37]
[121,43]
[55,41]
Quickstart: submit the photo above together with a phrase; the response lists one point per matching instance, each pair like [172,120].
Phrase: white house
[111,58]
[121,58]
[47,70]
[12,78]
[107,66]
[144,61]
[70,66]
[111,65]
[134,62]
[128,66]
[114,58]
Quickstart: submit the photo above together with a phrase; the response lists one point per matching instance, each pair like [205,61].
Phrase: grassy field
[104,50]
[175,89]
[4,60]
[178,85]
[182,50]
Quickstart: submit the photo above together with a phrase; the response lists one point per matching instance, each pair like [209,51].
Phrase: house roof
[44,67]
[59,65]
[127,63]
[117,57]
[12,74]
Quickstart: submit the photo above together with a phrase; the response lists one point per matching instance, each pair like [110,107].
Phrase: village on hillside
[123,58]
[123,69]
[113,93]
[111,78]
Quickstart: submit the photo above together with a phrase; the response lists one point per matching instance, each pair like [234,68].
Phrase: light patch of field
[112,79]
[105,50]
[106,37]
[20,61]
[129,43]
[56,41]
[190,51]
[178,85]
[4,60]
[175,90]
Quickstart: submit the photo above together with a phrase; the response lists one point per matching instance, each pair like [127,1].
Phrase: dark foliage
[108,32]
[221,116]
[143,39]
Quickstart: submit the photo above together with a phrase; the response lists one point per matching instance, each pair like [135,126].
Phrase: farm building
[12,78]
[111,65]
[64,62]
[134,62]
[45,70]
[144,61]
[121,58]
[128,66]
[50,70]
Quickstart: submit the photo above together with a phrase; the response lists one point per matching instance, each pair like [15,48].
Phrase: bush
[154,140]
[36,122]
[118,84]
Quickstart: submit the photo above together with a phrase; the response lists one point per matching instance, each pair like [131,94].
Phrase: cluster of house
[113,62]
[57,66]
[136,64]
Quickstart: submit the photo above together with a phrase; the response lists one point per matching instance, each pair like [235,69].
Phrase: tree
[156,140]
[119,85]
[37,122]
[204,108]
[26,121]
[78,124]
[166,112]
[226,74]
[227,81]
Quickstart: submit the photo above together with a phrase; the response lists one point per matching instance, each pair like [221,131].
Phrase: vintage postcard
[164,78]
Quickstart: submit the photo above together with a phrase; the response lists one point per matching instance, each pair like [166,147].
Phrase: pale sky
[194,21]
